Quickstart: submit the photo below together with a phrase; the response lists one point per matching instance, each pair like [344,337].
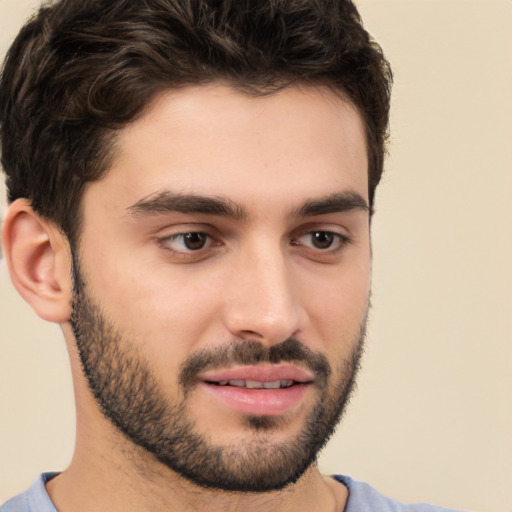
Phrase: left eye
[183,242]
[321,240]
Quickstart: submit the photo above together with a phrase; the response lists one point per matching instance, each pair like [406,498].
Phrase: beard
[132,398]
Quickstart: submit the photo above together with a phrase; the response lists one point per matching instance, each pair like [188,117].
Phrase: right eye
[188,241]
[186,244]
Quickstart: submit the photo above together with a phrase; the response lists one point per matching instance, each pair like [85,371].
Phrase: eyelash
[340,241]
[166,241]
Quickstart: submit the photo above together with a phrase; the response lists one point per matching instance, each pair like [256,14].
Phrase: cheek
[165,313]
[337,309]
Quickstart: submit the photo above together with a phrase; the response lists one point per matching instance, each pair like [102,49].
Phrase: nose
[262,302]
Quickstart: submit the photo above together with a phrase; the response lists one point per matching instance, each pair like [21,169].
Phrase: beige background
[432,420]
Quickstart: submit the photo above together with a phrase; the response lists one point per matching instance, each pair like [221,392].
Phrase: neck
[98,483]
[108,473]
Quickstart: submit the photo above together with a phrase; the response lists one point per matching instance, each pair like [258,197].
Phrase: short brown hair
[81,69]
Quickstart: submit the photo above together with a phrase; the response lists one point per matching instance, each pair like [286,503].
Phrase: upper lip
[259,373]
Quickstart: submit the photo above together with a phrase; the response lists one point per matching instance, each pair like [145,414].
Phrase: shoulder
[364,498]
[17,504]
[34,499]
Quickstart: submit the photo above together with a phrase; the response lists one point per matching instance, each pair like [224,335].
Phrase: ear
[39,261]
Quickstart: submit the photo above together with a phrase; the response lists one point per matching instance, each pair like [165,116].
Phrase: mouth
[254,384]
[265,390]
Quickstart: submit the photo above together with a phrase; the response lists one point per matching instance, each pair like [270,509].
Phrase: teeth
[237,383]
[254,384]
[275,384]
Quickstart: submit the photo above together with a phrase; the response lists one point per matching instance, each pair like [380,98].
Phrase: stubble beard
[130,396]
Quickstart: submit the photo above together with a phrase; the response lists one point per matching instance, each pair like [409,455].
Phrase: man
[191,188]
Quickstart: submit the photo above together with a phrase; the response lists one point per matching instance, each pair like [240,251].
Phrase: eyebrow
[333,203]
[166,202]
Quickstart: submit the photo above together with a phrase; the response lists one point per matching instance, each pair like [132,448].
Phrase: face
[222,281]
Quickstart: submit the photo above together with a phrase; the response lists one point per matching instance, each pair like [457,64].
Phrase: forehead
[213,140]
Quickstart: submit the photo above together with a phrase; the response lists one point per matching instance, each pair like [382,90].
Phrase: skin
[259,276]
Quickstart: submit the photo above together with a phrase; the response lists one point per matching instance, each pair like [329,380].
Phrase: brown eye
[194,241]
[187,242]
[322,239]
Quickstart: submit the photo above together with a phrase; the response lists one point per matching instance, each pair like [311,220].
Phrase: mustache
[250,352]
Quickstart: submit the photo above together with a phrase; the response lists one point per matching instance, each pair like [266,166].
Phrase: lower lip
[259,402]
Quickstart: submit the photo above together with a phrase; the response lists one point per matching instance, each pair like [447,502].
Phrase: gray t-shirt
[362,498]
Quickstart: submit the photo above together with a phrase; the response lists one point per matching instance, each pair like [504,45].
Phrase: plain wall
[432,418]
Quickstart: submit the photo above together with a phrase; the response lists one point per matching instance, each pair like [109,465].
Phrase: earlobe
[39,261]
